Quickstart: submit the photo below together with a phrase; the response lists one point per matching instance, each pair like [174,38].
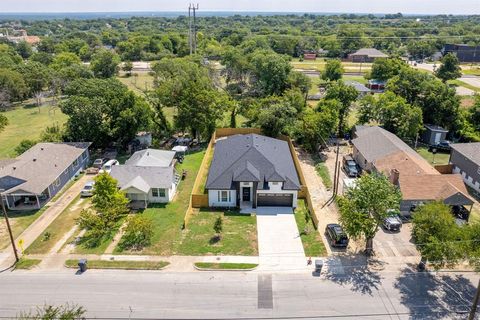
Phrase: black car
[336,235]
[350,167]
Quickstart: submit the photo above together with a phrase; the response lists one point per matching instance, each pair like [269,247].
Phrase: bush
[138,233]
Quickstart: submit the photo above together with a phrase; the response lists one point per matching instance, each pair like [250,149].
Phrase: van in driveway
[107,167]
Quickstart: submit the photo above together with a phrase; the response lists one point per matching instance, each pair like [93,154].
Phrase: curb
[113,268]
[210,269]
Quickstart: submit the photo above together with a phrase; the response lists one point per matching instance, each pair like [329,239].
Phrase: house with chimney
[378,150]
[29,181]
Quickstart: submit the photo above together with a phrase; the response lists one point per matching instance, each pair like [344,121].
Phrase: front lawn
[440,158]
[19,221]
[27,264]
[225,266]
[57,229]
[311,239]
[239,235]
[115,264]
[168,218]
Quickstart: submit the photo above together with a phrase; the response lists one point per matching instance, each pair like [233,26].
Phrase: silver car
[392,223]
[87,190]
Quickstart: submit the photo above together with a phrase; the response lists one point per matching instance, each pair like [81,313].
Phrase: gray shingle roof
[151,158]
[469,150]
[371,52]
[357,85]
[250,157]
[41,165]
[143,178]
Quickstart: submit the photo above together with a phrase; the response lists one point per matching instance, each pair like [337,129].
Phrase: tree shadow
[214,240]
[353,271]
[430,296]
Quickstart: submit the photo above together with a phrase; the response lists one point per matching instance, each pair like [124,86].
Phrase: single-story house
[377,150]
[433,135]
[362,90]
[148,176]
[366,55]
[465,159]
[29,181]
[250,171]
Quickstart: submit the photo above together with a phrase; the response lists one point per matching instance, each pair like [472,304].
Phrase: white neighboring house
[149,176]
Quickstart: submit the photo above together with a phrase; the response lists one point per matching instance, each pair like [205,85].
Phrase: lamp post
[9,228]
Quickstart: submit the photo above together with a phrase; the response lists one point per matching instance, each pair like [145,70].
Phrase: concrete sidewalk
[51,213]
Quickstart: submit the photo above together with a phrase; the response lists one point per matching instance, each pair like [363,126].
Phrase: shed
[362,90]
[433,134]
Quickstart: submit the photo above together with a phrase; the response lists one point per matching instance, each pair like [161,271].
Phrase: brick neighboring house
[250,171]
[465,159]
[366,55]
[29,181]
[377,150]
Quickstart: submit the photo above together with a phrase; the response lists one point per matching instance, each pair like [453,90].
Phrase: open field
[19,221]
[311,239]
[26,122]
[440,158]
[320,63]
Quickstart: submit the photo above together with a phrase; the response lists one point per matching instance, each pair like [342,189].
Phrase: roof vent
[41,148]
[34,159]
[14,168]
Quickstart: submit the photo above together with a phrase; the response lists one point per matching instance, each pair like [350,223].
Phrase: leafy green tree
[65,59]
[449,69]
[24,49]
[127,68]
[300,81]
[52,133]
[271,72]
[218,225]
[346,95]
[36,75]
[3,122]
[13,85]
[276,119]
[436,235]
[393,113]
[351,39]
[138,233]
[421,49]
[364,207]
[104,64]
[103,111]
[469,122]
[386,68]
[24,145]
[8,57]
[333,70]
[42,57]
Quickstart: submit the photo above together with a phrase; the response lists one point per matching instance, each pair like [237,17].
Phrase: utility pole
[9,229]
[473,311]
[192,27]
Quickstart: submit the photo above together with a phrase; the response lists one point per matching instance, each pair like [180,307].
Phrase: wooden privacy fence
[199,199]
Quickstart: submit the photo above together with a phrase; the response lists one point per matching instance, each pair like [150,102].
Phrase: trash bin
[82,264]
[318,266]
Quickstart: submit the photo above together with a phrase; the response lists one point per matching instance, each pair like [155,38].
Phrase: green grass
[19,221]
[440,158]
[322,171]
[115,264]
[57,229]
[225,266]
[320,63]
[26,123]
[239,236]
[203,181]
[473,72]
[82,248]
[27,264]
[168,218]
[311,239]
[137,82]
[464,84]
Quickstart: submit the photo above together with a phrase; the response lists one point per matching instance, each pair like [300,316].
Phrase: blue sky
[354,6]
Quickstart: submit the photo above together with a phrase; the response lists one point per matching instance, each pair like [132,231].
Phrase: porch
[26,201]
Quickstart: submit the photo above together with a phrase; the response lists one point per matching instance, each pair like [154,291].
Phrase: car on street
[393,222]
[350,167]
[336,236]
[98,163]
[87,190]
[107,167]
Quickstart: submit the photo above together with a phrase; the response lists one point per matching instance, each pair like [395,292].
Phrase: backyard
[26,122]
[437,159]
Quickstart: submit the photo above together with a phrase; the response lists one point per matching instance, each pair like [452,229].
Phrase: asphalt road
[152,295]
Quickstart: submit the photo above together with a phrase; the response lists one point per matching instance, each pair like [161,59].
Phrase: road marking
[265,292]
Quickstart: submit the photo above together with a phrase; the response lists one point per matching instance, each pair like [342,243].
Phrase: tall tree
[276,119]
[13,85]
[105,63]
[333,70]
[449,69]
[386,68]
[346,95]
[271,72]
[364,207]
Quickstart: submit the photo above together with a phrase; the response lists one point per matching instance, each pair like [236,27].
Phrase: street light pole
[9,228]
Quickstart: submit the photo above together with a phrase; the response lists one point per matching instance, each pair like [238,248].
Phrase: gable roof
[151,158]
[357,85]
[371,52]
[251,156]
[468,150]
[143,178]
[38,167]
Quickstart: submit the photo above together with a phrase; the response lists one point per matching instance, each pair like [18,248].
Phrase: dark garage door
[274,200]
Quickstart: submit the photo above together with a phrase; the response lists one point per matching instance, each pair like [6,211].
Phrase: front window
[158,193]
[224,196]
[57,182]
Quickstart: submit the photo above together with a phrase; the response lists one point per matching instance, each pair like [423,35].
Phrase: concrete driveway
[395,244]
[279,245]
